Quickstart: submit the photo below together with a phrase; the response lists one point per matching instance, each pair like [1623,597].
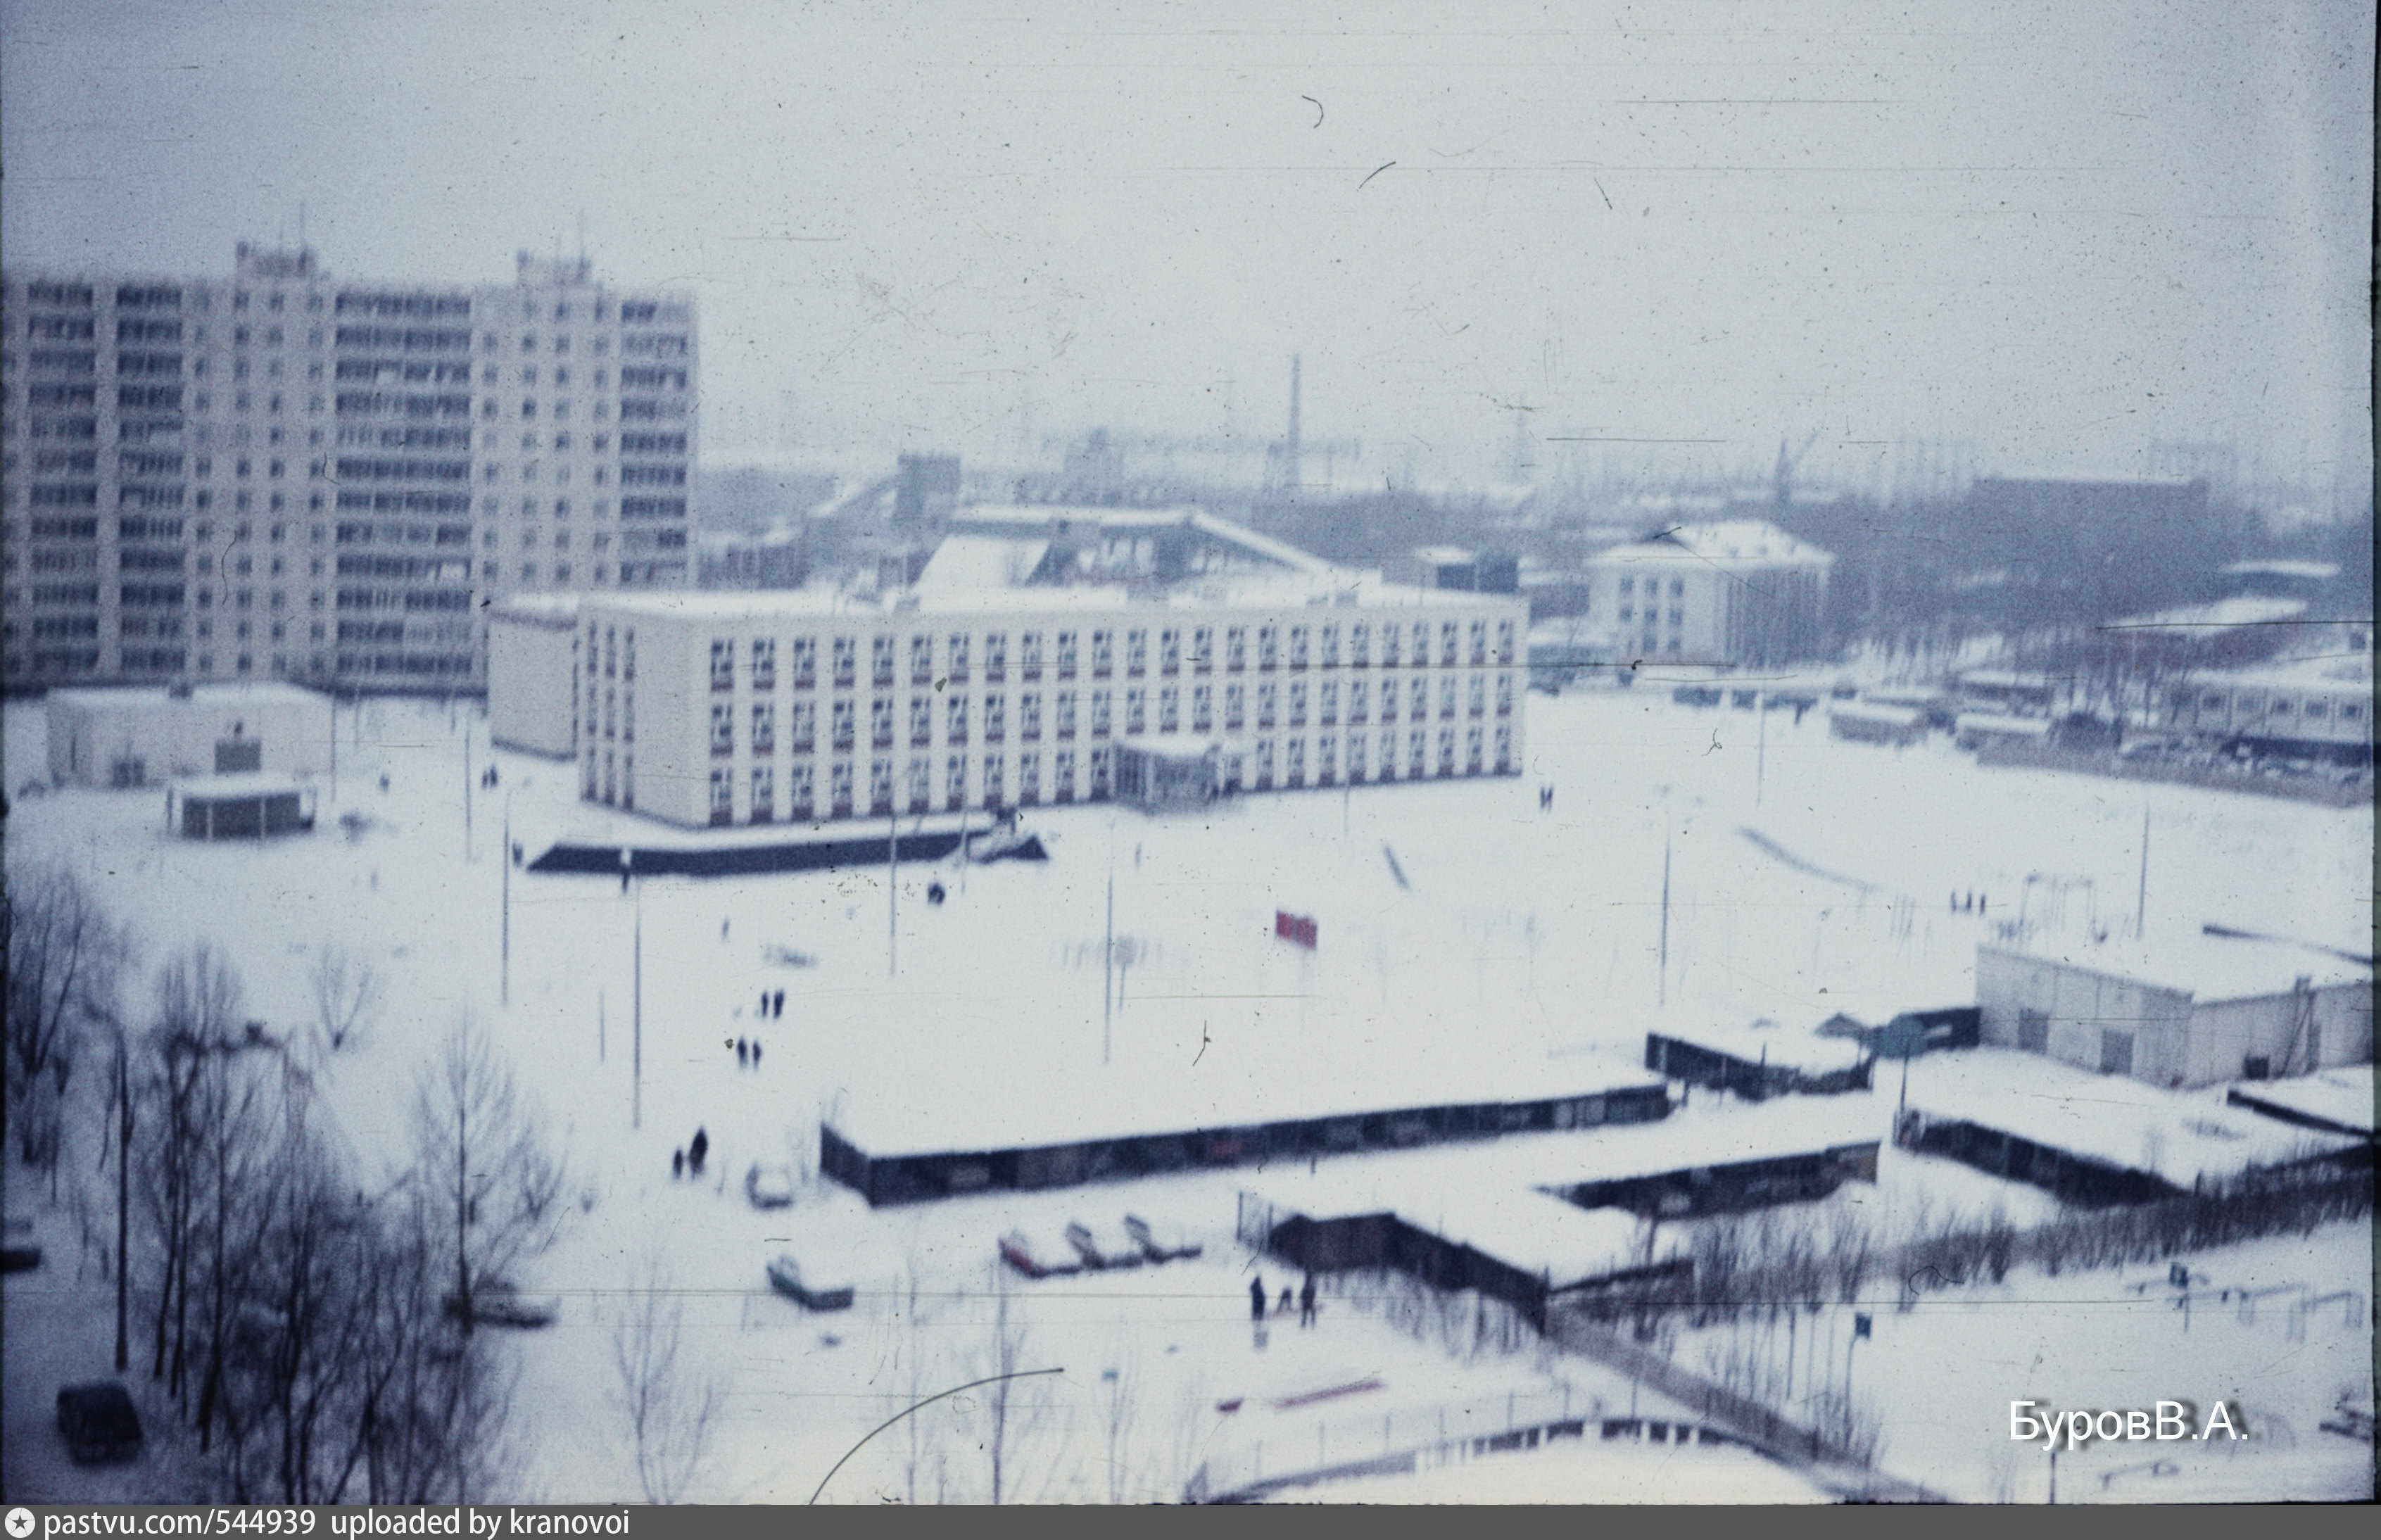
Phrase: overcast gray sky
[2063,232]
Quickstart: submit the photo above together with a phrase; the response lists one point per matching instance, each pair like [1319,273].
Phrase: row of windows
[2250,706]
[985,781]
[1068,653]
[1097,714]
[376,305]
[1653,587]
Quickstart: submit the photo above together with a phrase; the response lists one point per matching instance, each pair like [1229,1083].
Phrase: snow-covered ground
[1460,926]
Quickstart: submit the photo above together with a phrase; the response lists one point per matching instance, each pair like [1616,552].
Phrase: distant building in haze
[1738,592]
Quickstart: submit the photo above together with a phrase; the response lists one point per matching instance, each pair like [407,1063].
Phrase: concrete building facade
[141,735]
[1740,592]
[2236,1010]
[705,709]
[277,474]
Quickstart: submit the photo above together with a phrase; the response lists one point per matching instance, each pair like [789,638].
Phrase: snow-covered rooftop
[972,562]
[2245,609]
[560,608]
[1758,1040]
[2343,1096]
[2314,571]
[2206,967]
[164,697]
[2182,1137]
[1365,591]
[254,783]
[922,1113]
[2297,674]
[1726,544]
[1708,1131]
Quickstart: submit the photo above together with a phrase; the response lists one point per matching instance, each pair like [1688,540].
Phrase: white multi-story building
[1740,592]
[275,474]
[719,708]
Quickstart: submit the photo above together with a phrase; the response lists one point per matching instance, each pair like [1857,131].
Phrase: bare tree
[1008,1355]
[66,959]
[481,1165]
[346,996]
[670,1405]
[189,1041]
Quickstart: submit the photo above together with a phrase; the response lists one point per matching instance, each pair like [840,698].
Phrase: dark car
[785,1277]
[99,1422]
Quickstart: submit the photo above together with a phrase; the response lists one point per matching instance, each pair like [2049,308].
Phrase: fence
[1411,1438]
[2036,757]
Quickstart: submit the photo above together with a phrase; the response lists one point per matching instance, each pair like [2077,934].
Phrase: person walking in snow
[1306,1301]
[756,1053]
[1257,1299]
[696,1150]
[741,1053]
[678,1165]
[777,1004]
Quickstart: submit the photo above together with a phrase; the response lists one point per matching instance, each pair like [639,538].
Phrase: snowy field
[1459,926]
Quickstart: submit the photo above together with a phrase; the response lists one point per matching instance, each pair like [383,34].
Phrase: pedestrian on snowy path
[1257,1298]
[695,1151]
[756,1053]
[1306,1301]
[678,1165]
[778,1005]
[742,1053]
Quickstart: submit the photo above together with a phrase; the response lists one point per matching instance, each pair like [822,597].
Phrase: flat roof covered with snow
[1762,1039]
[2208,968]
[1728,543]
[2343,1096]
[161,698]
[914,1116]
[1335,589]
[2181,1137]
[1703,1135]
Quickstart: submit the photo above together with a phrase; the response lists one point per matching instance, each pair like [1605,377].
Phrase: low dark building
[892,1168]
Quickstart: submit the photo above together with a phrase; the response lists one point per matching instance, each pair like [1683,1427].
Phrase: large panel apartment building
[720,708]
[280,475]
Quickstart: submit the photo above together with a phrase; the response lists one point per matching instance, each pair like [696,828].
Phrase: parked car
[500,1305]
[1105,1249]
[785,1277]
[1038,1258]
[99,1422]
[21,1253]
[769,1186]
[1159,1245]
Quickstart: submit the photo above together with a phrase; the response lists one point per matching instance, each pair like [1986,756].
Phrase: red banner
[1294,927]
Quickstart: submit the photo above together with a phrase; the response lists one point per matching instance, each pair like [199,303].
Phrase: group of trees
[307,1314]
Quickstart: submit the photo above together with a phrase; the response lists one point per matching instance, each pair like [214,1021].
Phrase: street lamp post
[637,1003]
[505,928]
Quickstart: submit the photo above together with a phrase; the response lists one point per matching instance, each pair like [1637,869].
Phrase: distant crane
[1783,485]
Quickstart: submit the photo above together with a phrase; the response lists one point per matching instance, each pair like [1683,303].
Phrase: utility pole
[2142,893]
[123,1194]
[1108,953]
[1662,987]
[637,1007]
[1760,753]
[504,974]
